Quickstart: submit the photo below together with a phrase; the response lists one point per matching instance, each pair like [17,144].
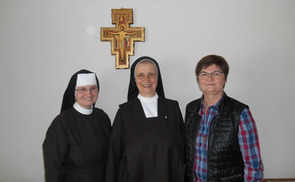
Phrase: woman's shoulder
[58,122]
[100,111]
[168,101]
[193,103]
[103,115]
[131,103]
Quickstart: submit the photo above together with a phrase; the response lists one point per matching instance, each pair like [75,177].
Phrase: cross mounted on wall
[122,36]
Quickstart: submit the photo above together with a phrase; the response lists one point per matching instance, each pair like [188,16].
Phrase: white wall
[42,43]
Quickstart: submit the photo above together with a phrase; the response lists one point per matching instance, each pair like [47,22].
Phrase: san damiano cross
[122,36]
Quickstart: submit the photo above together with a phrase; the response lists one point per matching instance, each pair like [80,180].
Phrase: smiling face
[209,85]
[146,78]
[86,95]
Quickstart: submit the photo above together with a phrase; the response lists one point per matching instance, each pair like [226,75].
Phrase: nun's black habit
[146,149]
[75,147]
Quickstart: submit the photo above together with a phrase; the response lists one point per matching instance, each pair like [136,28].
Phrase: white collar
[82,110]
[148,99]
[149,105]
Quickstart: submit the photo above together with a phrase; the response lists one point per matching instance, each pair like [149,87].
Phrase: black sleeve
[116,162]
[54,152]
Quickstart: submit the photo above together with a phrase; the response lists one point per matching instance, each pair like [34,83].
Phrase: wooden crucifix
[122,36]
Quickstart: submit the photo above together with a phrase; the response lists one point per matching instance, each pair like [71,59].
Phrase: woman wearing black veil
[76,143]
[147,135]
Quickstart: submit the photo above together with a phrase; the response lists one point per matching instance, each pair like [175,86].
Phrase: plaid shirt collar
[215,107]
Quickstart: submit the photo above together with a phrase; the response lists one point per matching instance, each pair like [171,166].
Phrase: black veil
[133,90]
[69,95]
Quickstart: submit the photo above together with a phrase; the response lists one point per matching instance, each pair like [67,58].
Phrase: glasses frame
[214,75]
[84,90]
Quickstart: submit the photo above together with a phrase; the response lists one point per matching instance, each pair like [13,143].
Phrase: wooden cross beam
[122,36]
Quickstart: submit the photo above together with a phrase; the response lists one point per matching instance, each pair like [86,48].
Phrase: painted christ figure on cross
[122,36]
[122,42]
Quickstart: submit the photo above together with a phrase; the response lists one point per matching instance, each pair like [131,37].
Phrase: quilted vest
[224,158]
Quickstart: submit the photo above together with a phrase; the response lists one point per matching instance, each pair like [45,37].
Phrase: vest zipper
[231,177]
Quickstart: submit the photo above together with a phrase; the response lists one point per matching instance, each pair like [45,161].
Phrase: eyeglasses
[85,90]
[215,74]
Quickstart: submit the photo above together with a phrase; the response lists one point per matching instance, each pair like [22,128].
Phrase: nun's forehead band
[145,60]
[86,79]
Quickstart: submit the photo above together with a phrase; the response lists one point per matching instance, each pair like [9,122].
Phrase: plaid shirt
[248,141]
